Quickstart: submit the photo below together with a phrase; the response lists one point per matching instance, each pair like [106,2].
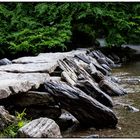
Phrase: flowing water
[128,76]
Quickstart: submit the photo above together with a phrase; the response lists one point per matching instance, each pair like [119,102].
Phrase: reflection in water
[129,122]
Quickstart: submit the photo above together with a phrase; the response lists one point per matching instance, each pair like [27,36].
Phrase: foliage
[11,130]
[36,27]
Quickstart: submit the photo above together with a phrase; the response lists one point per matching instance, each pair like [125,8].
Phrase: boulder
[116,58]
[106,67]
[112,64]
[40,128]
[131,108]
[96,75]
[49,58]
[13,83]
[107,60]
[44,62]
[68,73]
[5,118]
[5,61]
[98,66]
[91,136]
[66,120]
[111,88]
[88,111]
[128,107]
[93,90]
[102,61]
[83,57]
[30,68]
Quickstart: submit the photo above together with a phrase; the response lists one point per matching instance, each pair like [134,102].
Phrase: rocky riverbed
[75,89]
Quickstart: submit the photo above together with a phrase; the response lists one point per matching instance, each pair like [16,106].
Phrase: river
[128,76]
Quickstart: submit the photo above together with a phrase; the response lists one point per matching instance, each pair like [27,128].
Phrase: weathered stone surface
[13,83]
[128,107]
[44,62]
[65,76]
[97,65]
[115,58]
[5,61]
[30,67]
[48,57]
[88,111]
[71,68]
[55,78]
[131,108]
[106,67]
[68,74]
[91,89]
[111,88]
[5,118]
[77,69]
[66,120]
[112,64]
[40,128]
[96,75]
[91,136]
[103,56]
[104,61]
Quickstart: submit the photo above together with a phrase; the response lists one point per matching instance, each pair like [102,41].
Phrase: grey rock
[47,57]
[106,67]
[76,102]
[30,67]
[5,61]
[128,107]
[111,88]
[66,120]
[131,108]
[93,136]
[5,118]
[13,83]
[44,62]
[40,128]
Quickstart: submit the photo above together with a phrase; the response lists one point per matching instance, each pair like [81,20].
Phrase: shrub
[36,27]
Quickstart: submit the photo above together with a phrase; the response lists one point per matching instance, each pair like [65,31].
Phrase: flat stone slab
[30,67]
[44,62]
[26,73]
[48,57]
[13,83]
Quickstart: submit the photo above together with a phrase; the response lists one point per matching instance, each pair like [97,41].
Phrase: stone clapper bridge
[77,81]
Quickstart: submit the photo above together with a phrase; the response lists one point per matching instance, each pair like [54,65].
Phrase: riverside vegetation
[11,130]
[31,28]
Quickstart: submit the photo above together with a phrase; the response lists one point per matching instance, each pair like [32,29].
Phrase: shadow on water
[129,122]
